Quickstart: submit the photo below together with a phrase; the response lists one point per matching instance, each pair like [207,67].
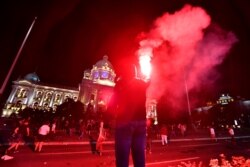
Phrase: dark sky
[70,36]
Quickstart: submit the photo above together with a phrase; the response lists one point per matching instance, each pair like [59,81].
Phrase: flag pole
[16,58]
[187,96]
[188,106]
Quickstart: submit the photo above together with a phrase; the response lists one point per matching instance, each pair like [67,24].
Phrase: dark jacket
[129,100]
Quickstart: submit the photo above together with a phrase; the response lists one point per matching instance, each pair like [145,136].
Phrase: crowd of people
[24,130]
[133,132]
[94,130]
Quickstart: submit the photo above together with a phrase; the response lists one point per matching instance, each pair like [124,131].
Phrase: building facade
[95,89]
[30,92]
[97,85]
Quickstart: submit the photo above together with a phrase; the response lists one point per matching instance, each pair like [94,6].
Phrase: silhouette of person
[128,102]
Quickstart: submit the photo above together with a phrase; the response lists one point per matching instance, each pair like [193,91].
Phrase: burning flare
[145,62]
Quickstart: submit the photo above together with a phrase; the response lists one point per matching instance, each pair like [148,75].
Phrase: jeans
[130,136]
[164,139]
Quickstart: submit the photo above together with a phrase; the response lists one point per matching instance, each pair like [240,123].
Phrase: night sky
[70,36]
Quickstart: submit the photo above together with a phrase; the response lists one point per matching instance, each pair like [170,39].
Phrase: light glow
[145,62]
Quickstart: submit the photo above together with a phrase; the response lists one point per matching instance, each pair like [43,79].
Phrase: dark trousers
[130,136]
[149,144]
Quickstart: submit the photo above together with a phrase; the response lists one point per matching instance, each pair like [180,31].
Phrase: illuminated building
[96,88]
[225,99]
[151,110]
[97,85]
[30,92]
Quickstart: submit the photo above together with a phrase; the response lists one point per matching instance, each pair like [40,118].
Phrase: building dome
[104,63]
[32,77]
[101,73]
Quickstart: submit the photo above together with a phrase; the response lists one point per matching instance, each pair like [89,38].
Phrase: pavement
[200,135]
[60,138]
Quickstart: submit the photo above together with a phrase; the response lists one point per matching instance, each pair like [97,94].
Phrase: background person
[164,135]
[212,134]
[231,133]
[21,132]
[101,138]
[42,134]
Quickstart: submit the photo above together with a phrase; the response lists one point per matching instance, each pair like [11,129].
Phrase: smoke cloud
[185,49]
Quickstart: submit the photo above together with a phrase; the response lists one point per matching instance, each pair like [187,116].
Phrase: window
[96,75]
[38,95]
[48,97]
[58,98]
[105,74]
[21,93]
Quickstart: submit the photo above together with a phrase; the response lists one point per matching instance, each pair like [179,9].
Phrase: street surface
[171,155]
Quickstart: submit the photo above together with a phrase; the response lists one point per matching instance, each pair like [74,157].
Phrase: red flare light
[145,62]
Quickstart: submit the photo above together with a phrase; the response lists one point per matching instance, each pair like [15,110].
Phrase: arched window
[35,105]
[95,75]
[21,93]
[18,104]
[48,97]
[38,96]
[58,98]
[105,75]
